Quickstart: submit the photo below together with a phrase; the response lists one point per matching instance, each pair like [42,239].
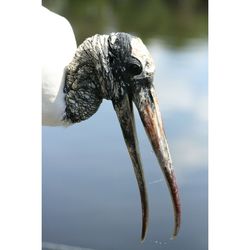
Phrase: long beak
[124,111]
[147,105]
[146,102]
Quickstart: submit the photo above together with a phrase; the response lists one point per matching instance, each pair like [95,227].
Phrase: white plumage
[58,49]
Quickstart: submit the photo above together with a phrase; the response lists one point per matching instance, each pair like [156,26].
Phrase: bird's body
[59,47]
[117,67]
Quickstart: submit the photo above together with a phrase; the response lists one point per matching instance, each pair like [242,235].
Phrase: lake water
[90,195]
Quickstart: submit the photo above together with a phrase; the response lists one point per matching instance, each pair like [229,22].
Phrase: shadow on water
[90,196]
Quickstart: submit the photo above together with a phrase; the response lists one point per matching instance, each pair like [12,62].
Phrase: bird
[116,67]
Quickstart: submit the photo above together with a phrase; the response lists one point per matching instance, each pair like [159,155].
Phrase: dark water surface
[90,195]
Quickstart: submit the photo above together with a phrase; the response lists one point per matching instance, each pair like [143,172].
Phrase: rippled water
[90,195]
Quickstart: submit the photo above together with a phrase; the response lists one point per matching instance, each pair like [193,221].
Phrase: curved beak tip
[152,121]
[151,118]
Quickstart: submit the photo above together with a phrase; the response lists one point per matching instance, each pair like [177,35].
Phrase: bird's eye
[134,69]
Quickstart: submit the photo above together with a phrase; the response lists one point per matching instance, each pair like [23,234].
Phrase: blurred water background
[90,195]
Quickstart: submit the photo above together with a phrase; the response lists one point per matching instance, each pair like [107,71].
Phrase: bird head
[119,67]
[131,65]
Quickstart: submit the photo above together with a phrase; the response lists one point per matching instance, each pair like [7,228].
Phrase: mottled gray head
[131,64]
[105,67]
[118,67]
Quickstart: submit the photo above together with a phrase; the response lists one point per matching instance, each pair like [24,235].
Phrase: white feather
[58,49]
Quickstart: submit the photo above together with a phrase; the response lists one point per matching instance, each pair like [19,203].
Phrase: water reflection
[90,195]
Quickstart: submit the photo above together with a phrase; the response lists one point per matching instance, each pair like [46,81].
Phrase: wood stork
[116,67]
